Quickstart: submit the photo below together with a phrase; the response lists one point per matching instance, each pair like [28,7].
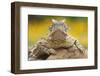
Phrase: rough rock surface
[48,49]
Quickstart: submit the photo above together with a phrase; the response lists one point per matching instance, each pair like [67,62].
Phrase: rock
[52,51]
[41,50]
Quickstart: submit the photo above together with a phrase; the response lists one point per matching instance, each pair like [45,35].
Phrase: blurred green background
[38,27]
